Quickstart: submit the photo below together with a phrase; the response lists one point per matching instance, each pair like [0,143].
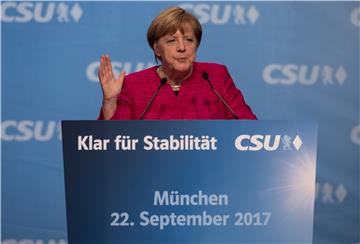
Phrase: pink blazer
[195,100]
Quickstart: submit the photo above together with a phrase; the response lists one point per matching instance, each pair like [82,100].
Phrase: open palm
[111,87]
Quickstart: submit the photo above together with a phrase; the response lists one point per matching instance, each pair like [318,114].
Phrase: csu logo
[26,130]
[128,67]
[41,12]
[220,14]
[267,142]
[289,74]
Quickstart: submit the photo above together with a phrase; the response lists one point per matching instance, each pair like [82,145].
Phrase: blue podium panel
[189,181]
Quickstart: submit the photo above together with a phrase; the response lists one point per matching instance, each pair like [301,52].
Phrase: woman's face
[177,51]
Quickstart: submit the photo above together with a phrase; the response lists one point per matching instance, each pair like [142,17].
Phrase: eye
[189,40]
[170,40]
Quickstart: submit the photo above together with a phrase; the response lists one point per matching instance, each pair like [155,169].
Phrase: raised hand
[110,86]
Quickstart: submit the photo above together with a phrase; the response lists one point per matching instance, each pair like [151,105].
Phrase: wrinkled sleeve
[235,99]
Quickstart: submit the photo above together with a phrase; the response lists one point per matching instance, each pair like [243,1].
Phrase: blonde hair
[169,21]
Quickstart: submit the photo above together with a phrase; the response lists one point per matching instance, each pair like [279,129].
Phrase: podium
[189,181]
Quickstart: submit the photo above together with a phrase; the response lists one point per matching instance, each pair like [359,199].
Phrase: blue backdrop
[292,60]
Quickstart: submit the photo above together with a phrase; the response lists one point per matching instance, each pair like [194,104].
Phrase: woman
[174,35]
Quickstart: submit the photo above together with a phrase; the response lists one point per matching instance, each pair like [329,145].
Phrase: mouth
[182,59]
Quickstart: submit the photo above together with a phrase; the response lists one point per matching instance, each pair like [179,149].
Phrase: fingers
[101,68]
[122,75]
[107,62]
[105,68]
[120,79]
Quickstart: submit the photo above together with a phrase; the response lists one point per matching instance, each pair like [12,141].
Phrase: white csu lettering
[257,142]
[289,74]
[26,11]
[128,67]
[210,13]
[25,130]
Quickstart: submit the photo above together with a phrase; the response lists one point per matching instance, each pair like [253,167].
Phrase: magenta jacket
[195,100]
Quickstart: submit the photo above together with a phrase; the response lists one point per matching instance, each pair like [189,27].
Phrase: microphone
[205,76]
[162,82]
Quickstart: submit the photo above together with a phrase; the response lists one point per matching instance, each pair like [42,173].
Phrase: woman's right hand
[110,86]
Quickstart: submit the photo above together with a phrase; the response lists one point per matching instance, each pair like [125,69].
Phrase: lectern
[189,181]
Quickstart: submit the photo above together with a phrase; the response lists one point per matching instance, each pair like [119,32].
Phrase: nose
[180,46]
